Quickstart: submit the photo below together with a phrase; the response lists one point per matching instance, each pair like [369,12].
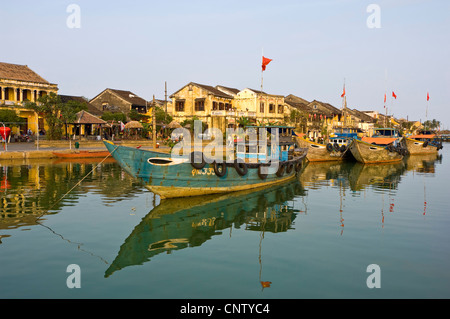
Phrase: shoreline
[25,151]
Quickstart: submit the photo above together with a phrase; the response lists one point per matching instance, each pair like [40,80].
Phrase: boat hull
[369,153]
[416,147]
[170,177]
[81,154]
[319,153]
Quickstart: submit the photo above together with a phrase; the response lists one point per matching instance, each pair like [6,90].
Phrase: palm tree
[243,121]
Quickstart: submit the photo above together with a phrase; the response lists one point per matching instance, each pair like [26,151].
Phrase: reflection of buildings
[188,222]
[31,189]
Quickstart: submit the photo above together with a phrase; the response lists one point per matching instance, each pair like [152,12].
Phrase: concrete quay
[45,149]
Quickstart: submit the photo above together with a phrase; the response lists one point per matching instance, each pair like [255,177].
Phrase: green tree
[136,116]
[10,116]
[117,117]
[55,113]
[190,122]
[431,125]
[49,106]
[243,121]
[162,117]
[69,112]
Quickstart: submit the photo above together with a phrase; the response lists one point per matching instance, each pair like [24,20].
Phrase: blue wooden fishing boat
[256,163]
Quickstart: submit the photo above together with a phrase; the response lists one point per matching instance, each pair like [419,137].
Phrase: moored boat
[423,143]
[194,174]
[336,148]
[385,146]
[81,154]
[320,152]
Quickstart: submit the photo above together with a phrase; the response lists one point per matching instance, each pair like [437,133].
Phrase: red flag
[342,95]
[384,100]
[393,94]
[428,96]
[265,61]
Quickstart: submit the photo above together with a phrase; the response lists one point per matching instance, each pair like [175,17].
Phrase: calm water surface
[311,238]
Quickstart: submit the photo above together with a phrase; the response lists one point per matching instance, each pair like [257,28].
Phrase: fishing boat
[81,154]
[386,145]
[335,150]
[425,142]
[255,163]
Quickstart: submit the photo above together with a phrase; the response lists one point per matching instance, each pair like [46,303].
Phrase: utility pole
[165,96]
[154,121]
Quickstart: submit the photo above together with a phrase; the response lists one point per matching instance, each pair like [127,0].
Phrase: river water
[314,237]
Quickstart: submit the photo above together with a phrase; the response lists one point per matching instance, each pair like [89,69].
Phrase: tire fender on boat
[289,167]
[425,144]
[240,167]
[329,147]
[260,173]
[298,166]
[281,169]
[220,169]
[194,160]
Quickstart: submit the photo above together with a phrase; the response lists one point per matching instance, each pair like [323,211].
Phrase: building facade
[18,85]
[112,100]
[207,103]
[222,107]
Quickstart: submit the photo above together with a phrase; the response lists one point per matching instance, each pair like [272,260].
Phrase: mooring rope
[46,211]
[77,184]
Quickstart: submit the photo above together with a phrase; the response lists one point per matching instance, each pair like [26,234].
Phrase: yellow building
[19,84]
[221,107]
[261,106]
[209,104]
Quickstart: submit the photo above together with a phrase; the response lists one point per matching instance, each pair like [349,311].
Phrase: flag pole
[262,71]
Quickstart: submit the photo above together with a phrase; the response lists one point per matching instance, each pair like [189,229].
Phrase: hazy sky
[315,45]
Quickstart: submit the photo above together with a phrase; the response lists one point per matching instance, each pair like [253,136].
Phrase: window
[228,107]
[200,105]
[271,108]
[221,106]
[105,106]
[179,106]
[261,107]
[280,109]
[215,108]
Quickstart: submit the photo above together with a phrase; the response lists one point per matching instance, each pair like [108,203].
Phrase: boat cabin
[386,132]
[254,150]
[384,137]
[346,132]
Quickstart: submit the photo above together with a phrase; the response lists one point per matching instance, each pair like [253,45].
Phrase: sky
[316,46]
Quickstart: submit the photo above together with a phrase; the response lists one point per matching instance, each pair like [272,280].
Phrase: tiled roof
[213,90]
[90,108]
[84,117]
[20,73]
[232,90]
[130,97]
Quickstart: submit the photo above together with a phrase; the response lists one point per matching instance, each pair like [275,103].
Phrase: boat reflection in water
[188,222]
